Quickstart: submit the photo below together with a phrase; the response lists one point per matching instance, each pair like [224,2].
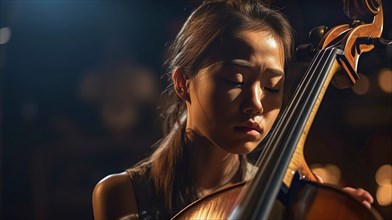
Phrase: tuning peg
[376,41]
[316,34]
[305,52]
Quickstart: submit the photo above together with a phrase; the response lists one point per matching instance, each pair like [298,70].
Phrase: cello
[282,168]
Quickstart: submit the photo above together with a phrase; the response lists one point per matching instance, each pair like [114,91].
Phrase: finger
[319,178]
[367,204]
[365,195]
[362,194]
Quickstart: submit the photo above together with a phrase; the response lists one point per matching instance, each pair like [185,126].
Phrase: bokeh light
[5,35]
[384,180]
[362,86]
[385,80]
[330,173]
[384,175]
[384,195]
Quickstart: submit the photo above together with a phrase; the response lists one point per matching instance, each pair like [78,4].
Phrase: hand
[363,195]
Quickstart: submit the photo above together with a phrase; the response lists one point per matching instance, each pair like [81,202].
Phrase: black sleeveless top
[151,206]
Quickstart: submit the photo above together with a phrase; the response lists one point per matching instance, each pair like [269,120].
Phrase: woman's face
[236,95]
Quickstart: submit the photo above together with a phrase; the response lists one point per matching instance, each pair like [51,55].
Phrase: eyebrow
[275,72]
[246,64]
[239,62]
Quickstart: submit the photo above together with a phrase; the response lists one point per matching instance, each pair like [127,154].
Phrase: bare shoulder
[113,198]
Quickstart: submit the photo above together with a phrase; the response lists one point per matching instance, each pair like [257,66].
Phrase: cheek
[271,111]
[214,91]
[211,111]
[207,102]
[273,103]
[272,116]
[222,99]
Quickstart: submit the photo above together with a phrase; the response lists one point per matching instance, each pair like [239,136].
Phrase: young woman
[228,76]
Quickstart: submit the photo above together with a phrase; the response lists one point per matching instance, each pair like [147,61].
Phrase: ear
[181,84]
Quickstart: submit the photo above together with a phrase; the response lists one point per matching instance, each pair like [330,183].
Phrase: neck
[211,166]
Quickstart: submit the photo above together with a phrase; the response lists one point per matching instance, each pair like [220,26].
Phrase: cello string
[316,78]
[307,96]
[293,110]
[266,154]
[282,118]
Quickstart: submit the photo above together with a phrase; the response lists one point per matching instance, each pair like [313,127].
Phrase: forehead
[248,45]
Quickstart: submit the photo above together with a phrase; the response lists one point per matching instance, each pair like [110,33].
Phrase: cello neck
[287,138]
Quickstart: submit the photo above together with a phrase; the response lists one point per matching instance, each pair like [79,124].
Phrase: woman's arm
[113,198]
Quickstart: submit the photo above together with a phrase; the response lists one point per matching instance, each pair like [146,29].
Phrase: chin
[248,149]
[242,149]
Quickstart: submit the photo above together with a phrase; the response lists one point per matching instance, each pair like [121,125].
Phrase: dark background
[80,83]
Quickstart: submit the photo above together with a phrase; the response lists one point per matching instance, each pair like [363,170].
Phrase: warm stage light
[385,80]
[384,180]
[384,175]
[362,85]
[330,173]
[384,195]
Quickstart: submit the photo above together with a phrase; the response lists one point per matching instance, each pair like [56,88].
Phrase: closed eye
[272,90]
[235,84]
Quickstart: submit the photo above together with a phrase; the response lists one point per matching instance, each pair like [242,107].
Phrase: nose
[252,103]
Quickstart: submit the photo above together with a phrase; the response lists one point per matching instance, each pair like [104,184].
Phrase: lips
[249,126]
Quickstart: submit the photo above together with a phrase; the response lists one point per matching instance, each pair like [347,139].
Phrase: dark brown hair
[210,22]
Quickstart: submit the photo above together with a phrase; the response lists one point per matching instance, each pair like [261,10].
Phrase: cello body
[305,200]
